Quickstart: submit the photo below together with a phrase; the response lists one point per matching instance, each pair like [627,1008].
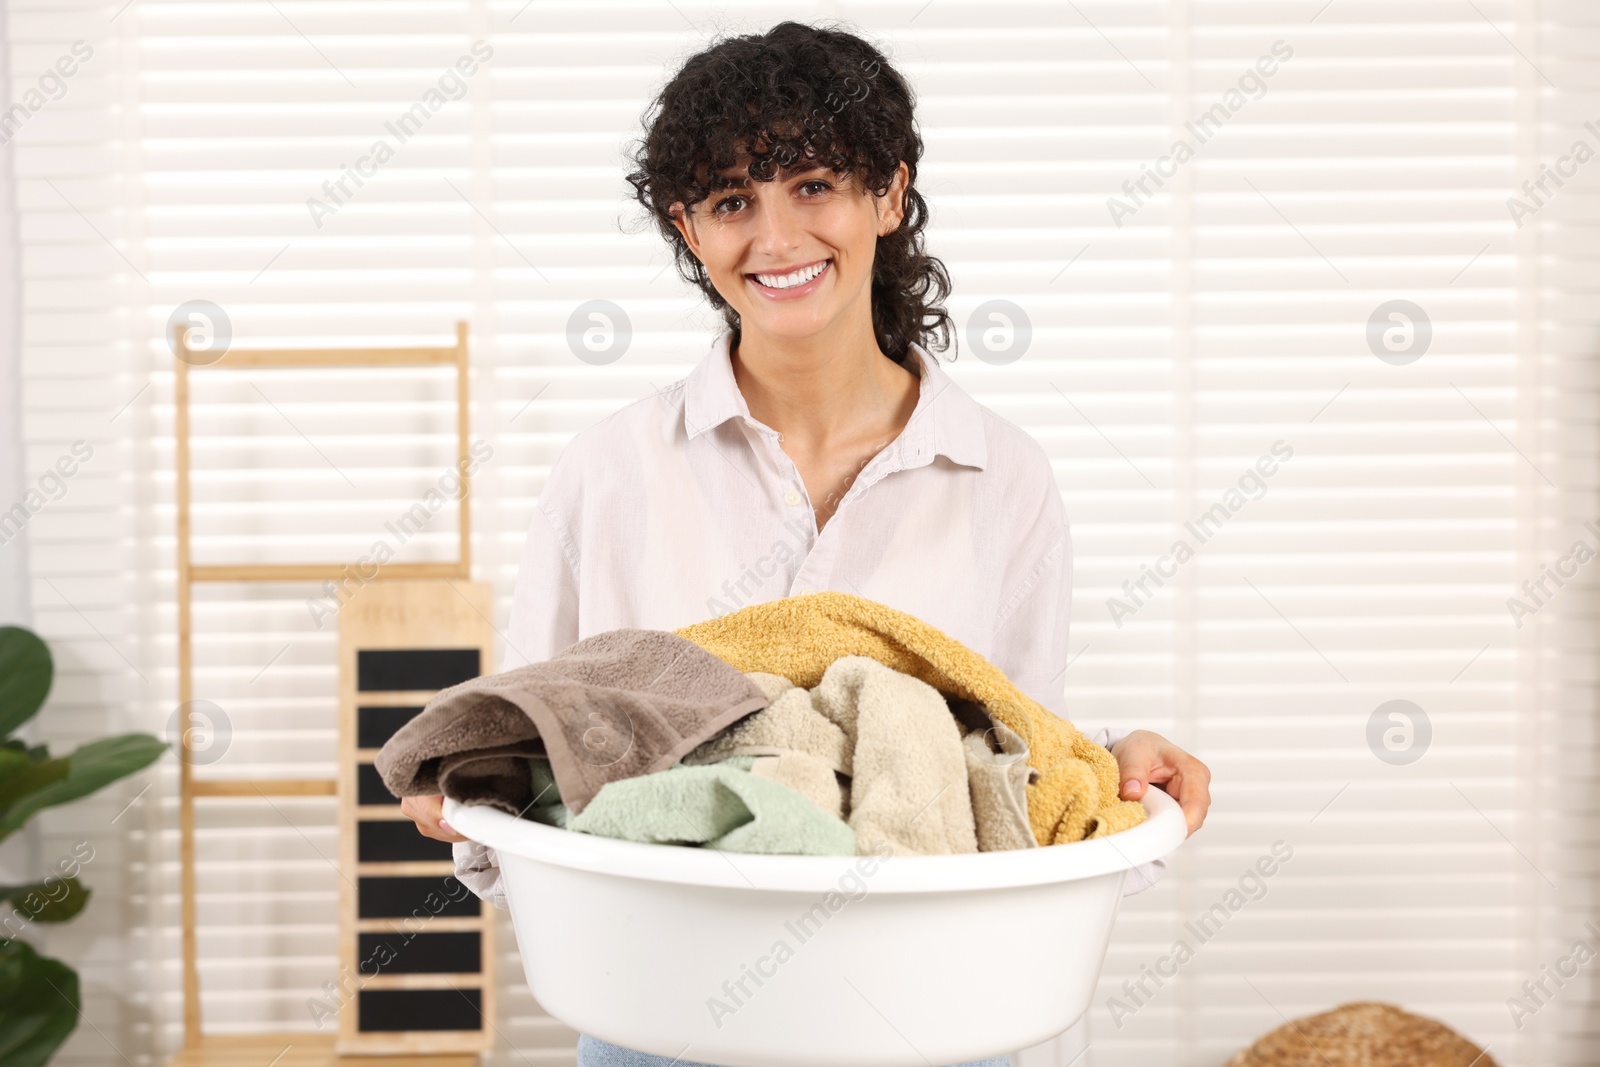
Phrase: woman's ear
[891,205]
[681,221]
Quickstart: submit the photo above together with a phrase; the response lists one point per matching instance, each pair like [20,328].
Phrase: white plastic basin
[748,961]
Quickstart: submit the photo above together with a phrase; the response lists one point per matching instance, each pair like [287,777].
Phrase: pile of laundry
[823,724]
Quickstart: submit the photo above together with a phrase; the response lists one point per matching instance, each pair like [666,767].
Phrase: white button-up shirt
[681,507]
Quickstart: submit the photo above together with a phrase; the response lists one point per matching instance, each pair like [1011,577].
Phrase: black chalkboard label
[390,669]
[370,788]
[420,1009]
[381,896]
[374,726]
[397,842]
[450,952]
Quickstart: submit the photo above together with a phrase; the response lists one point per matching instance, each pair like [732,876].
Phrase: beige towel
[908,778]
[615,705]
[793,742]
[890,734]
[807,775]
[998,775]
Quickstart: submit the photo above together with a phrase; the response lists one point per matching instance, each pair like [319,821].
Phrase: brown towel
[618,704]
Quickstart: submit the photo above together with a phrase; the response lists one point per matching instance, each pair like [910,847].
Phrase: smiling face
[793,256]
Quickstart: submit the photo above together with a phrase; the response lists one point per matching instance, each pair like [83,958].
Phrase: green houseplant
[39,995]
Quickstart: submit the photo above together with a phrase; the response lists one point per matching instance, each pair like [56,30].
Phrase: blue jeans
[592,1052]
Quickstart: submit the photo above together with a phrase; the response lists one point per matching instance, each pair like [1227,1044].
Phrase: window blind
[1319,394]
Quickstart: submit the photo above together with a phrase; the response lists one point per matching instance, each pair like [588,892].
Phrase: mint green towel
[546,807]
[720,805]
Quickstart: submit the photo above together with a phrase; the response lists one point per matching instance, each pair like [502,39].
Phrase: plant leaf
[49,901]
[25,673]
[90,767]
[38,1005]
[35,754]
[18,776]
[13,761]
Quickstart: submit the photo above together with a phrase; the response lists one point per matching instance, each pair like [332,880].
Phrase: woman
[819,445]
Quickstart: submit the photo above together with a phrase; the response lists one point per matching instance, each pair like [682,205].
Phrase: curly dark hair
[797,92]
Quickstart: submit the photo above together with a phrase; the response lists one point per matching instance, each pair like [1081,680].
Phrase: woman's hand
[1146,759]
[428,814]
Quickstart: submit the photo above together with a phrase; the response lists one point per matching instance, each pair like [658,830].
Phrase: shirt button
[792,497]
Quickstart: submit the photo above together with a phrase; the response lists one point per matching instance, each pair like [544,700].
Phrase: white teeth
[789,281]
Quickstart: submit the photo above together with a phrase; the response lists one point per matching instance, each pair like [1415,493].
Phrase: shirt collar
[946,421]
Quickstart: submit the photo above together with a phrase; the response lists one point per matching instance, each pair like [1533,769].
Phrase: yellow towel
[798,637]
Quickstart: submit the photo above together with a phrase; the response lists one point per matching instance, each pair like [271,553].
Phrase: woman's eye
[724,202]
[822,186]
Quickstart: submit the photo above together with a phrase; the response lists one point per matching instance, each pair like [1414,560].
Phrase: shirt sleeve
[1030,639]
[478,869]
[544,603]
[544,621]
[544,599]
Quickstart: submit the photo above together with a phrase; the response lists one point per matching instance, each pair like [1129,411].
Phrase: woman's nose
[778,226]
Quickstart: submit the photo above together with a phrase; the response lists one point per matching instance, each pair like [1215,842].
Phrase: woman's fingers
[1145,759]
[428,814]
[1188,781]
[1191,788]
[1138,758]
